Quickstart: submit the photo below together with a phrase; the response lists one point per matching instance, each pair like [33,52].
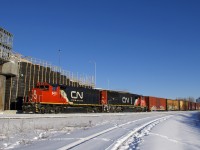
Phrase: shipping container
[172,104]
[189,105]
[155,103]
[193,106]
[184,105]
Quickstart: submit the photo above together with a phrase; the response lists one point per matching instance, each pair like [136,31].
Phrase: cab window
[54,88]
[43,87]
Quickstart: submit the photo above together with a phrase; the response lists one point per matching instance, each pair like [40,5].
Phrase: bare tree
[190,98]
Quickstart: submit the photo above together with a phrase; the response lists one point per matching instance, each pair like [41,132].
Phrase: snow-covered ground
[21,129]
[24,129]
[177,131]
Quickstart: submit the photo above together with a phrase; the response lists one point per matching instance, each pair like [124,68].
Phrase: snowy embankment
[176,132]
[25,129]
[122,130]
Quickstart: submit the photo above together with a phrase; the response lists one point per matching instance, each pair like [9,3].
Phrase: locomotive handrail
[40,98]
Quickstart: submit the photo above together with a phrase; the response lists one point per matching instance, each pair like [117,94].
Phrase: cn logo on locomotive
[126,100]
[76,94]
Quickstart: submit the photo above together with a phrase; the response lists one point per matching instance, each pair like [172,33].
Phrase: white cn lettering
[76,95]
[125,100]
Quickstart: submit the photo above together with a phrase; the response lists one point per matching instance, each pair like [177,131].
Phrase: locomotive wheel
[95,110]
[57,110]
[29,109]
[42,110]
[119,109]
[51,110]
[48,109]
[112,109]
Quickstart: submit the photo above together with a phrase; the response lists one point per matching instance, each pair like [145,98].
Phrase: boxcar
[197,106]
[172,104]
[183,105]
[155,103]
[193,106]
[189,105]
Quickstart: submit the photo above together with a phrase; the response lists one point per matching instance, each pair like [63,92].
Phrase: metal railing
[6,42]
[82,79]
[6,38]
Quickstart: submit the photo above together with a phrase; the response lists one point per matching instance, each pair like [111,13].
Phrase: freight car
[155,103]
[191,106]
[183,105]
[197,106]
[49,98]
[172,105]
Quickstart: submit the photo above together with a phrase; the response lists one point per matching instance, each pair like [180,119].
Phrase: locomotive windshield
[43,87]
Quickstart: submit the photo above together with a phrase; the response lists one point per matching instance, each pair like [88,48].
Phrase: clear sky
[144,46]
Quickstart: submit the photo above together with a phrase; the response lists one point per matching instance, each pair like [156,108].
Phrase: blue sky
[146,47]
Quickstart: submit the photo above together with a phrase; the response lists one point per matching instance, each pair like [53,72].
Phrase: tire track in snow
[132,139]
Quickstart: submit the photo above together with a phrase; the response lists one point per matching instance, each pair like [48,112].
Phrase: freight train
[54,98]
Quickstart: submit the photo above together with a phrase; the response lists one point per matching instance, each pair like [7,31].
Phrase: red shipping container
[190,105]
[193,106]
